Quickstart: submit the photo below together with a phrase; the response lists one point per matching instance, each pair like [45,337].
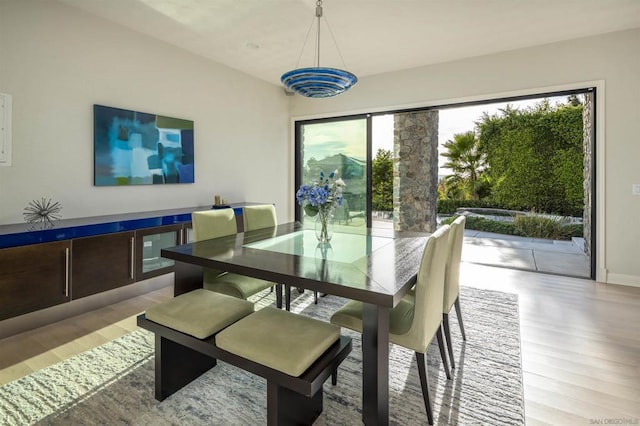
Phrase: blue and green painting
[137,148]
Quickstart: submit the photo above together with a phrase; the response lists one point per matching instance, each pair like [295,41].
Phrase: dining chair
[220,223]
[417,318]
[264,216]
[452,281]
[259,217]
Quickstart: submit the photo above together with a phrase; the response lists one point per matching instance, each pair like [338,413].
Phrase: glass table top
[346,248]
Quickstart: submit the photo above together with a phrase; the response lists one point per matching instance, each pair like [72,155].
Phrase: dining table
[372,265]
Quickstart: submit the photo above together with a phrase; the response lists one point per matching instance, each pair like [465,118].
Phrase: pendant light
[318,82]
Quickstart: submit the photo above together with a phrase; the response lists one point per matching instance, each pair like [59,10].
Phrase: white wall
[611,60]
[57,62]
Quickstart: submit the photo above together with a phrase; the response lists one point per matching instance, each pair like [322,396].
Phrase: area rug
[113,384]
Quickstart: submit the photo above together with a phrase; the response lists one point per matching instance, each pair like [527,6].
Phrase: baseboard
[620,279]
[32,320]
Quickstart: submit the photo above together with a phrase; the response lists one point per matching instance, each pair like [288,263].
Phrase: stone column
[415,171]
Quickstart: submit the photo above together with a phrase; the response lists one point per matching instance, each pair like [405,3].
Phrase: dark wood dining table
[374,266]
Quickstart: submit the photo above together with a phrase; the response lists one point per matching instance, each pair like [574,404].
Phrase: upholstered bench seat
[200,313]
[295,354]
[279,339]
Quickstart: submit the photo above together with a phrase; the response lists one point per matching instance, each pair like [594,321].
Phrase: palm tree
[467,164]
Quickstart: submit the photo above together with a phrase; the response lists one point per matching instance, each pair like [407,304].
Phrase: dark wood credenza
[41,268]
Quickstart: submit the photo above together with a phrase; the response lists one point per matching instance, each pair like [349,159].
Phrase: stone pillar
[587,126]
[415,171]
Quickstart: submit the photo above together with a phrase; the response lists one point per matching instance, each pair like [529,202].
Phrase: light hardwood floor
[580,343]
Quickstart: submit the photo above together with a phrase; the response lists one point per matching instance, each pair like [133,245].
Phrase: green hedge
[486,225]
[524,226]
[450,206]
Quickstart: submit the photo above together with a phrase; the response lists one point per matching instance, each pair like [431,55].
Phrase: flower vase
[324,225]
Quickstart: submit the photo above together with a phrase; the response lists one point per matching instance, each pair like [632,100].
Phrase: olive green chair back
[421,324]
[213,224]
[452,270]
[258,217]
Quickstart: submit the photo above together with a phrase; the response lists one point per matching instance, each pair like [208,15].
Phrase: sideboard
[43,267]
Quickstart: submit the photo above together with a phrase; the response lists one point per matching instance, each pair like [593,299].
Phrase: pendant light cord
[319,14]
[305,42]
[334,43]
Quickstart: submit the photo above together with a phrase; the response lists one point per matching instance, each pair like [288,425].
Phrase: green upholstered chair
[220,223]
[452,281]
[417,318]
[264,216]
[259,216]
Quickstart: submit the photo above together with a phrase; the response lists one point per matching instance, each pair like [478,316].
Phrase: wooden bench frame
[181,358]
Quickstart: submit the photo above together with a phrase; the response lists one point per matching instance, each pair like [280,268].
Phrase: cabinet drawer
[33,277]
[102,263]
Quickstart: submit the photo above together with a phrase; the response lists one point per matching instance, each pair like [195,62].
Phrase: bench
[181,357]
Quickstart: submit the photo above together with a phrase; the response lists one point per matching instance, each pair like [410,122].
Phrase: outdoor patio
[527,254]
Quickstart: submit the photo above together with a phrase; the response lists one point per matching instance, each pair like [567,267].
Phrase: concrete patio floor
[530,254]
[508,251]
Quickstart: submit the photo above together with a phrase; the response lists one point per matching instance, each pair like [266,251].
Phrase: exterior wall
[57,61]
[415,171]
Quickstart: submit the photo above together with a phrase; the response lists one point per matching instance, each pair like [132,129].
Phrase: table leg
[375,365]
[279,296]
[187,277]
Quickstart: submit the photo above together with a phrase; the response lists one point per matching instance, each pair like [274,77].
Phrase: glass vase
[324,225]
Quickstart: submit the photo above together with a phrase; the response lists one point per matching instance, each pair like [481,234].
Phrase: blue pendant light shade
[318,82]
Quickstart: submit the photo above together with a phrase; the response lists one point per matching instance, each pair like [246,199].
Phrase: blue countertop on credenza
[21,234]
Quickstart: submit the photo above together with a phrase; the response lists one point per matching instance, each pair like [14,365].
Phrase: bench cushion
[279,339]
[200,313]
[234,285]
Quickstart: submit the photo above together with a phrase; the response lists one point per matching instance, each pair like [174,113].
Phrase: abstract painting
[137,148]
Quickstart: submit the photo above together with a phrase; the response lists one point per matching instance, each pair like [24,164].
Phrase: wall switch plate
[635,189]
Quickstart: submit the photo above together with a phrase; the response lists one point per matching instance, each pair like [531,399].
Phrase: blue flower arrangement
[321,195]
[321,198]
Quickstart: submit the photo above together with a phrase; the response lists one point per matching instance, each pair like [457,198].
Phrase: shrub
[450,206]
[575,230]
[524,226]
[486,225]
[536,226]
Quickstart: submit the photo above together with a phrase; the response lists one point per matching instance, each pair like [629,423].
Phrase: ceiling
[265,38]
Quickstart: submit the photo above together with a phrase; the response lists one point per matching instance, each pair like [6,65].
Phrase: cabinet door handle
[133,250]
[66,272]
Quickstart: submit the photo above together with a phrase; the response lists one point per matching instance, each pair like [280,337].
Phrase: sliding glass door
[343,145]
